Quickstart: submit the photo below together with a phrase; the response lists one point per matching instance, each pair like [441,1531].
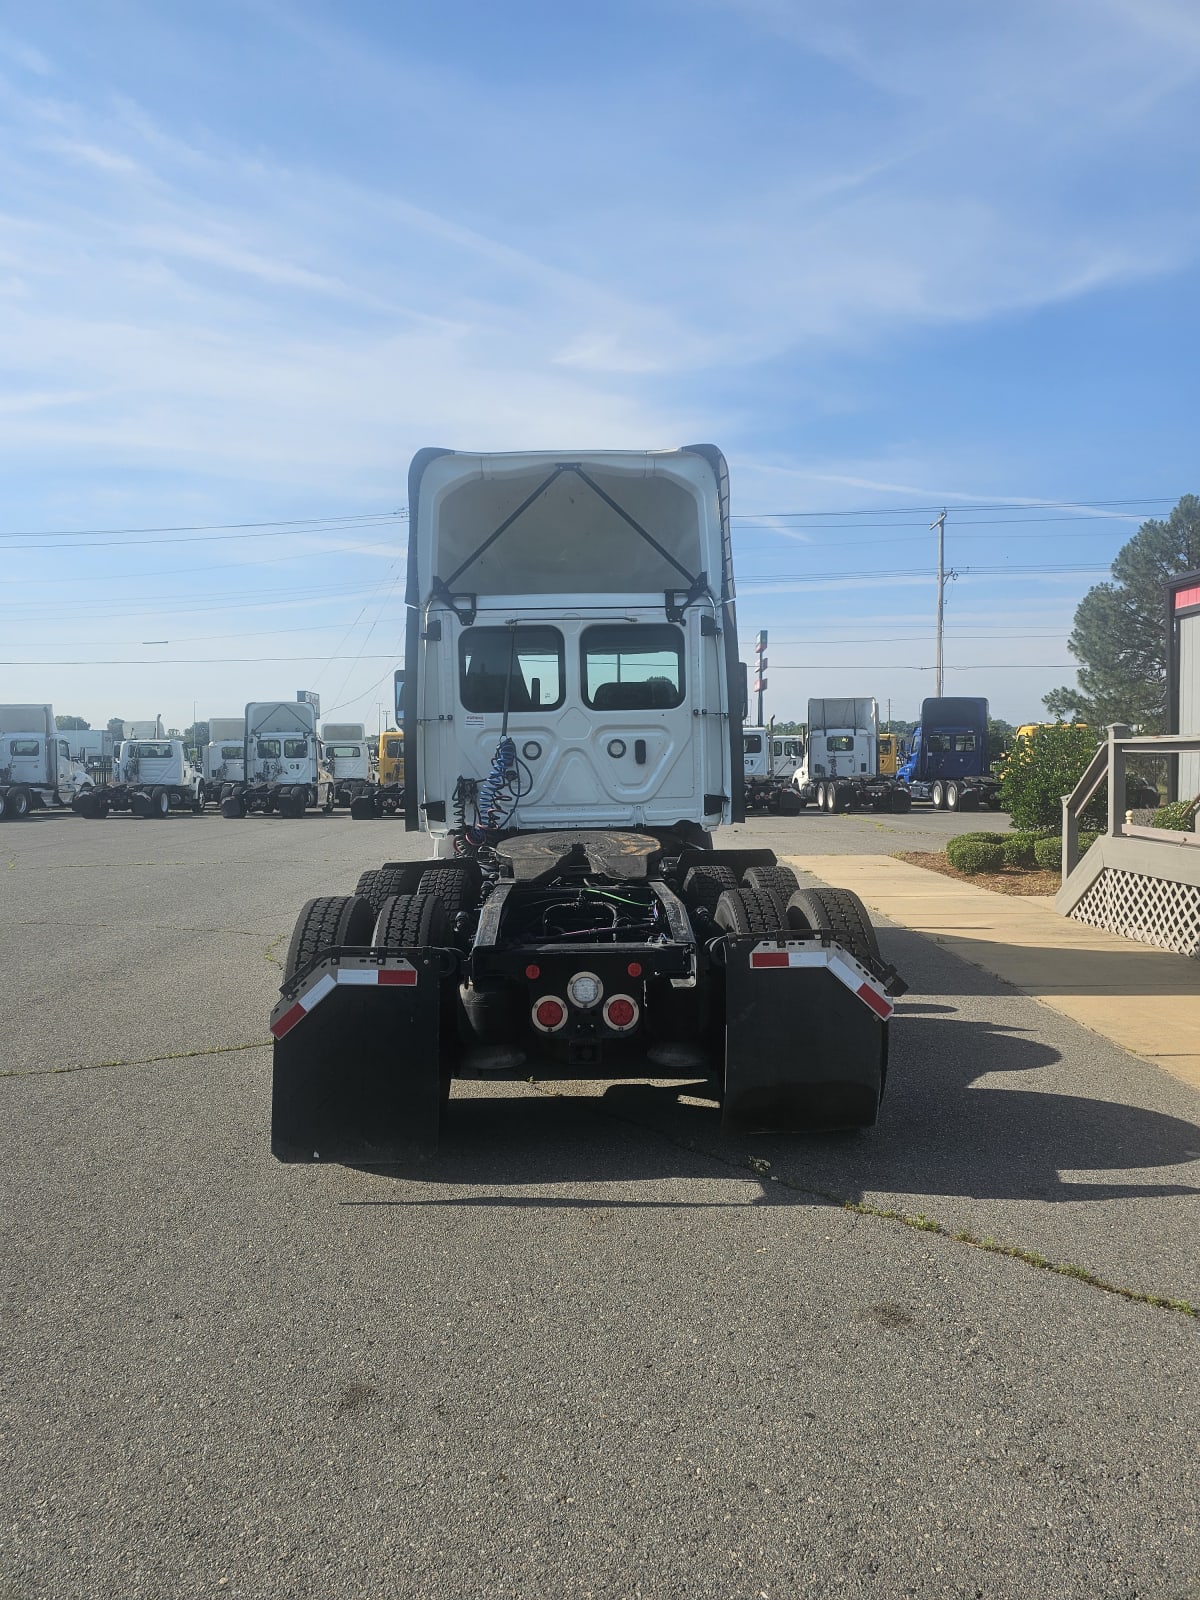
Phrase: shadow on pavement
[941,1131]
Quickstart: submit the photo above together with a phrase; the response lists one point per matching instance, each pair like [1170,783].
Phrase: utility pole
[760,667]
[940,525]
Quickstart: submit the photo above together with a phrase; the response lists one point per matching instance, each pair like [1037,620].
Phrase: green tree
[1119,636]
[71,724]
[116,726]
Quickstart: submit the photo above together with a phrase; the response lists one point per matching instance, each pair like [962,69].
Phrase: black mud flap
[805,1035]
[358,1073]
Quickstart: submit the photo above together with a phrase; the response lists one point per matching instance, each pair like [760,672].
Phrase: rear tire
[233,807]
[338,919]
[953,796]
[139,805]
[20,804]
[455,885]
[839,913]
[160,803]
[291,805]
[778,880]
[413,920]
[789,803]
[839,797]
[703,886]
[747,911]
[381,883]
[938,797]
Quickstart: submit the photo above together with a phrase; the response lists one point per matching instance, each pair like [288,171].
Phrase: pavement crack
[138,1061]
[916,1221]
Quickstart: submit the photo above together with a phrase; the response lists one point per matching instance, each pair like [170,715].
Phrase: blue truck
[947,760]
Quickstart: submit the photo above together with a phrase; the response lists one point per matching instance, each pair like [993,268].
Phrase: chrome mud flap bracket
[806,1032]
[358,1071]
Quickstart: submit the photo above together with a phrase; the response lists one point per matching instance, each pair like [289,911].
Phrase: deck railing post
[1116,778]
[1070,837]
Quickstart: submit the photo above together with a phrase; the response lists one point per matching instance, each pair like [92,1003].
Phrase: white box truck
[37,769]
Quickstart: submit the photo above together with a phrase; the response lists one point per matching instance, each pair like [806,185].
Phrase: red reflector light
[550,1014]
[634,969]
[619,1013]
[533,971]
[288,1021]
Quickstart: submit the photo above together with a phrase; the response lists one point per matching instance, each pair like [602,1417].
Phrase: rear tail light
[621,1013]
[549,1014]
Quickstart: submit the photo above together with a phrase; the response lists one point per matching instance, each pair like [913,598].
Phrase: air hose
[496,790]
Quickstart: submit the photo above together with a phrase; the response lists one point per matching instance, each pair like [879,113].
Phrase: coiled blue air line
[501,778]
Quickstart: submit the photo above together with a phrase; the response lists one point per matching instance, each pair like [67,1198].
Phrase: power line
[343,519]
[977,505]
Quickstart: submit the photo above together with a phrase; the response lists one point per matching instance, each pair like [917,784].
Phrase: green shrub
[1047,853]
[1041,768]
[1179,816]
[1017,849]
[1087,839]
[983,838]
[975,855]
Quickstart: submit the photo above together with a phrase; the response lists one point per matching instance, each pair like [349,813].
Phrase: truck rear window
[752,744]
[154,752]
[295,749]
[25,747]
[394,748]
[633,667]
[347,751]
[534,656]
[839,741]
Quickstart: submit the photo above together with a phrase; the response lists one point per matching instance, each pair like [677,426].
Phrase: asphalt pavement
[596,1348]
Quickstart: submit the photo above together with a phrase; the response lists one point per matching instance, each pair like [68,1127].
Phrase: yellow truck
[385,797]
[391,759]
[888,755]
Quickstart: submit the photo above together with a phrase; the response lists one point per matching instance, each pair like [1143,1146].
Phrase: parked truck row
[271,759]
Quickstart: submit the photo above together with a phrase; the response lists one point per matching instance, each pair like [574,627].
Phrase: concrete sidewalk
[1145,1000]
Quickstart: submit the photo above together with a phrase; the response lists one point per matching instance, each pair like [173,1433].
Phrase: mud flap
[358,1072]
[805,1035]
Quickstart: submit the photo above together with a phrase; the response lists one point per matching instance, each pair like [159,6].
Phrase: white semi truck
[150,778]
[224,756]
[839,770]
[570,746]
[769,760]
[37,769]
[283,767]
[348,757]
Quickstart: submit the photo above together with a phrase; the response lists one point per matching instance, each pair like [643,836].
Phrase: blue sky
[889,257]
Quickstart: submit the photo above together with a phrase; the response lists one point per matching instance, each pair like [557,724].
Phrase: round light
[549,1014]
[634,969]
[533,971]
[531,750]
[584,990]
[620,1013]
[616,748]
